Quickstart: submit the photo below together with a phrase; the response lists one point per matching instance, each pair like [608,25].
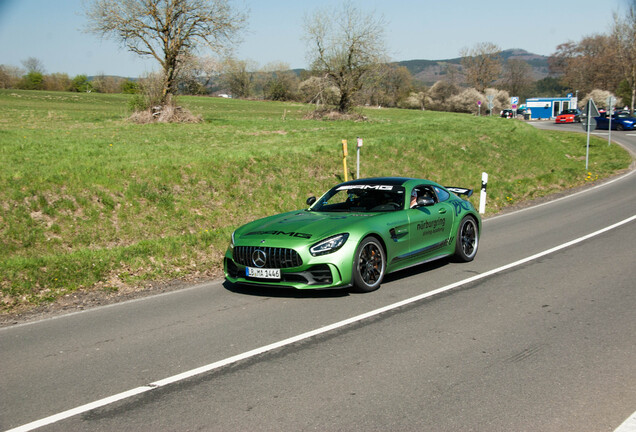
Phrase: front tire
[369,265]
[467,240]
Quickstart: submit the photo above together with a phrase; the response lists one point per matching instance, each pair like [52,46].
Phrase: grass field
[90,201]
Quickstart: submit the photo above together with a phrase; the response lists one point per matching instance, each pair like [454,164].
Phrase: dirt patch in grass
[165,114]
[330,114]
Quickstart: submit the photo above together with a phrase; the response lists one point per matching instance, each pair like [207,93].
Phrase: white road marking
[629,425]
[230,360]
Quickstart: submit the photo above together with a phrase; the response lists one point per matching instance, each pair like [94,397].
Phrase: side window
[424,191]
[442,195]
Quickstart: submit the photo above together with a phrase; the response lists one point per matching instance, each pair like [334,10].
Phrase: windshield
[361,199]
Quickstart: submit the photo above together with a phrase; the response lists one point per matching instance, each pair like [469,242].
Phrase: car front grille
[274,257]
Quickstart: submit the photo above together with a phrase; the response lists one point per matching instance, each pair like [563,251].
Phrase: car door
[602,122]
[429,225]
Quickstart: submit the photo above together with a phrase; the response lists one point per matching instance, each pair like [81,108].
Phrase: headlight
[329,245]
[232,241]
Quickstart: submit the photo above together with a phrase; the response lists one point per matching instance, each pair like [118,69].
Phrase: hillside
[427,72]
[430,71]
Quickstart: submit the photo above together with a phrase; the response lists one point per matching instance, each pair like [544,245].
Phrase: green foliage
[137,103]
[92,201]
[624,93]
[277,91]
[549,86]
[80,84]
[32,81]
[129,87]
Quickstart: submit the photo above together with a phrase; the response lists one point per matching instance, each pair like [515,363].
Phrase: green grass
[91,201]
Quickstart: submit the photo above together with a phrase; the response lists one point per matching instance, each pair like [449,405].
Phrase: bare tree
[585,65]
[481,64]
[386,85]
[198,73]
[624,36]
[517,77]
[9,76]
[33,65]
[57,82]
[319,91]
[238,76]
[168,30]
[280,82]
[345,45]
[396,84]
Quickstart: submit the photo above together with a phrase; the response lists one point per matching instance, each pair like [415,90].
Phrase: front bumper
[312,276]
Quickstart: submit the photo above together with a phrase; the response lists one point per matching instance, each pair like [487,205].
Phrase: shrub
[501,100]
[57,82]
[600,98]
[317,90]
[413,101]
[438,95]
[9,76]
[81,84]
[129,87]
[165,114]
[32,81]
[466,101]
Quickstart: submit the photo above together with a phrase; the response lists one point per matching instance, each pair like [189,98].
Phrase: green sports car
[354,235]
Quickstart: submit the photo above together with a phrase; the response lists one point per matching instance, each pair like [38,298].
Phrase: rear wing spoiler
[460,191]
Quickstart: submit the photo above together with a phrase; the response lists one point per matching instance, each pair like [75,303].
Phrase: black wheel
[369,265]
[467,240]
[620,127]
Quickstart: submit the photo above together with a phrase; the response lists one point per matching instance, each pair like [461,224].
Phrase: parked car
[620,122]
[507,113]
[569,116]
[355,234]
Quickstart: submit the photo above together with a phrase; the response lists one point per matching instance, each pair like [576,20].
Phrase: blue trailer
[548,108]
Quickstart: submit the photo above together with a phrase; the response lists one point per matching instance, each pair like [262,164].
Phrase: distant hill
[430,71]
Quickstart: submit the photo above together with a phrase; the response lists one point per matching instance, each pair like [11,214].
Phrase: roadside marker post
[590,124]
[358,164]
[482,194]
[610,108]
[344,158]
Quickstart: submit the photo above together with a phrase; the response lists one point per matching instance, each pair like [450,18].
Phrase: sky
[52,31]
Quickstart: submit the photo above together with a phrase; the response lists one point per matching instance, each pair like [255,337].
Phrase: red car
[569,116]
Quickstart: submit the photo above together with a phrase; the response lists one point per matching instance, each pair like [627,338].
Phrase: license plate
[262,273]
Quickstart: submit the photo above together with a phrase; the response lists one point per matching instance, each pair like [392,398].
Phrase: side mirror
[311,200]
[425,201]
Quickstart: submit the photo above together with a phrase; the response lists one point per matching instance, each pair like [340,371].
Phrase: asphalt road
[626,138]
[547,344]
